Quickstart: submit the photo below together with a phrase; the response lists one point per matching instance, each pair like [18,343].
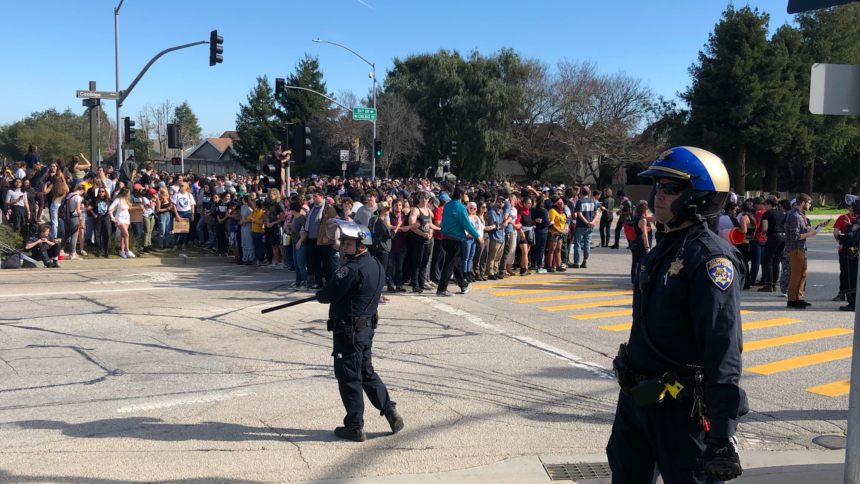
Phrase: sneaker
[784,294]
[395,421]
[766,288]
[575,266]
[847,307]
[174,248]
[523,271]
[130,255]
[561,268]
[416,290]
[122,254]
[582,266]
[315,287]
[464,290]
[401,290]
[839,297]
[795,305]
[549,269]
[541,271]
[82,252]
[391,289]
[492,278]
[803,303]
[444,294]
[54,265]
[431,285]
[74,256]
[355,435]
[291,269]
[62,252]
[296,286]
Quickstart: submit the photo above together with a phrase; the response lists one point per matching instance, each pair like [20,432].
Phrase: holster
[622,371]
[342,329]
[647,390]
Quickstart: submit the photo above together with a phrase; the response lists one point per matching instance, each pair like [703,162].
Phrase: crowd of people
[425,233]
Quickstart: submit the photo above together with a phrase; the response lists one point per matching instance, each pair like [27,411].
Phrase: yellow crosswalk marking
[745,311]
[569,296]
[588,305]
[769,322]
[626,312]
[801,361]
[517,292]
[832,389]
[794,338]
[525,283]
[617,327]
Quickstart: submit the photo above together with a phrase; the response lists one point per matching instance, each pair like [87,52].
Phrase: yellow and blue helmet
[706,177]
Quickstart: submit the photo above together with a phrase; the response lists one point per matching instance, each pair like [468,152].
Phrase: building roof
[230,134]
[221,143]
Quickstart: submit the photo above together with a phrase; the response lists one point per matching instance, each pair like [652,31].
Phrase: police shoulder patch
[722,272]
[342,272]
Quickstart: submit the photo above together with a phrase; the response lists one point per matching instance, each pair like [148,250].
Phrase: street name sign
[97,94]
[364,114]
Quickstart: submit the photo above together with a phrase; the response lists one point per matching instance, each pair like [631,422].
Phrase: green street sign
[364,114]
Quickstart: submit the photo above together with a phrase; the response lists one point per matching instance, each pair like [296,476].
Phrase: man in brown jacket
[319,246]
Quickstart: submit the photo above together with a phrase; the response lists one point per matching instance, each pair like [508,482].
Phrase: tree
[56,134]
[256,125]
[303,105]
[184,117]
[727,98]
[466,100]
[399,127]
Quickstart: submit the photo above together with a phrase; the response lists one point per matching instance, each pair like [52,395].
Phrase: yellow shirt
[257,220]
[558,220]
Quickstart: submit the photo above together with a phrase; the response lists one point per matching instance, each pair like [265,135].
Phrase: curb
[95,264]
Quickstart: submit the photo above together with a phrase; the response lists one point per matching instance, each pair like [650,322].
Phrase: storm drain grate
[572,472]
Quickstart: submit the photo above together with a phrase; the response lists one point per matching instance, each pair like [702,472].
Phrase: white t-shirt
[147,211]
[13,195]
[74,199]
[20,174]
[183,201]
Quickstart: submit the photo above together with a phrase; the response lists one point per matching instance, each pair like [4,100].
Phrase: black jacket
[693,318]
[355,289]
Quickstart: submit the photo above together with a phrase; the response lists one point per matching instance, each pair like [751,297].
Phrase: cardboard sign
[181,225]
[135,211]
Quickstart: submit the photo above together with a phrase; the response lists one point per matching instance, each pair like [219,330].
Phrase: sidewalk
[760,467]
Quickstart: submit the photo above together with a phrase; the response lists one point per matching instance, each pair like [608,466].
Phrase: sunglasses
[423,198]
[670,188]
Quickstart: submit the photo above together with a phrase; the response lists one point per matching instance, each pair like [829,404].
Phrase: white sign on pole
[343,166]
[344,155]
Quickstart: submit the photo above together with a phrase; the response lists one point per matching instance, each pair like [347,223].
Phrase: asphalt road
[156,374]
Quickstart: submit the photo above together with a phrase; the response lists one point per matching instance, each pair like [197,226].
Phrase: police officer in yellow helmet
[680,401]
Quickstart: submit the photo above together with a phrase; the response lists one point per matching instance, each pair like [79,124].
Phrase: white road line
[573,360]
[138,289]
[175,403]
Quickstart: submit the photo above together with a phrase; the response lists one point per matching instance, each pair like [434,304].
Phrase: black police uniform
[353,295]
[686,308]
[850,241]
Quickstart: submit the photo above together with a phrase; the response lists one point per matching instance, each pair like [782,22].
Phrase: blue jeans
[540,247]
[55,219]
[299,256]
[247,244]
[164,229]
[201,228]
[183,237]
[259,249]
[88,228]
[756,255]
[395,266]
[468,254]
[289,260]
[335,262]
[582,243]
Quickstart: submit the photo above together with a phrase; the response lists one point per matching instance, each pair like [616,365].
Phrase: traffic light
[280,88]
[176,161]
[129,130]
[301,143]
[377,147]
[452,151]
[272,174]
[215,48]
[174,136]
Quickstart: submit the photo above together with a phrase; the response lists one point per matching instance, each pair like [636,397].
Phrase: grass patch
[826,210]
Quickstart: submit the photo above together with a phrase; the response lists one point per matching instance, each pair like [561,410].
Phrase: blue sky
[56,46]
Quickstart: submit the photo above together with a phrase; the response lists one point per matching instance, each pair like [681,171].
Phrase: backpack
[630,230]
[12,260]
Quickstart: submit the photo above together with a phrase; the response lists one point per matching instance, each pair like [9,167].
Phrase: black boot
[395,421]
[768,287]
[355,435]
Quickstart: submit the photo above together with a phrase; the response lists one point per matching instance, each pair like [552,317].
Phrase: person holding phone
[796,233]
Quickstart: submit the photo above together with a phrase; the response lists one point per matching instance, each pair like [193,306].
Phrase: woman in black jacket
[540,218]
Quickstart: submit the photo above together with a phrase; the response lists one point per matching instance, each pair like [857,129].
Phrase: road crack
[298,447]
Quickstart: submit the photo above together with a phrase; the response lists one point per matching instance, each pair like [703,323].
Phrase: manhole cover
[572,472]
[834,442]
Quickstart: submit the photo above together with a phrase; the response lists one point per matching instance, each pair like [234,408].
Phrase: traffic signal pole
[118,100]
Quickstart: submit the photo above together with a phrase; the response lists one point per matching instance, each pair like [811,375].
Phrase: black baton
[289,304]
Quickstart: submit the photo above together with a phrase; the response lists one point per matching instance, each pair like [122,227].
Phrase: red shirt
[759,235]
[842,223]
[437,220]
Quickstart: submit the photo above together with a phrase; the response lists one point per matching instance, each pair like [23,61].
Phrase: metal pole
[182,154]
[94,130]
[118,102]
[373,149]
[852,449]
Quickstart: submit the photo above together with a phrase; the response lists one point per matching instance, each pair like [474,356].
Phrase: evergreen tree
[303,105]
[256,125]
[728,97]
[184,117]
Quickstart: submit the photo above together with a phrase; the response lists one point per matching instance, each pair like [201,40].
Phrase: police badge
[722,272]
[342,272]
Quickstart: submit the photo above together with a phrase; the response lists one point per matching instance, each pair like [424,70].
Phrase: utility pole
[118,100]
[373,159]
